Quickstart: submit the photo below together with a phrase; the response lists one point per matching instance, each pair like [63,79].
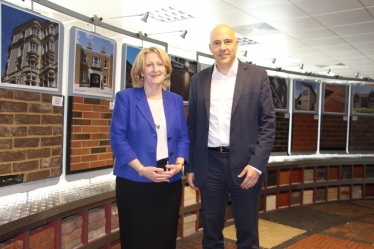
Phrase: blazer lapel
[144,107]
[207,82]
[169,110]
[241,79]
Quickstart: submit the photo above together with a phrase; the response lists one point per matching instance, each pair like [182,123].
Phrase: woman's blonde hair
[139,64]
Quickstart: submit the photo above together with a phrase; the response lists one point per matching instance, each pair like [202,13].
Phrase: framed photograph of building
[129,54]
[183,70]
[363,100]
[31,50]
[305,96]
[335,98]
[279,90]
[92,64]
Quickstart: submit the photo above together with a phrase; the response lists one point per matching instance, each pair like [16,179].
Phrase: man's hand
[251,177]
[191,181]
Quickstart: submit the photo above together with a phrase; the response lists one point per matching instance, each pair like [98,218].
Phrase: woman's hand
[173,169]
[155,174]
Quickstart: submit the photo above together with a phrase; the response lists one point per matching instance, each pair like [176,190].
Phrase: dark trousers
[148,213]
[215,192]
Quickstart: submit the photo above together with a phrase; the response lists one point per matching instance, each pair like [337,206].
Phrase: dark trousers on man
[215,192]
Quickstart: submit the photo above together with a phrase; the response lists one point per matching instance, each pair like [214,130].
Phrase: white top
[221,96]
[158,114]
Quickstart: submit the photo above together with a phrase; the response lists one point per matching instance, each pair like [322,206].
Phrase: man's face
[223,45]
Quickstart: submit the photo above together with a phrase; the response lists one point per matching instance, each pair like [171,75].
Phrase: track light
[356,74]
[183,35]
[273,60]
[245,54]
[145,17]
[328,71]
[302,66]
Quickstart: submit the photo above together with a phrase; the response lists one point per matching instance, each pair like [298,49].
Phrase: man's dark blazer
[252,129]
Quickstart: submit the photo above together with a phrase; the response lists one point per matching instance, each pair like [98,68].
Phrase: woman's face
[154,70]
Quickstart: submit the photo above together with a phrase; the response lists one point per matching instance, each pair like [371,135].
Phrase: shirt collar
[233,70]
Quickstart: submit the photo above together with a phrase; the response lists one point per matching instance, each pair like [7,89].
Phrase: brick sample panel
[89,134]
[281,133]
[96,223]
[333,133]
[304,133]
[359,129]
[30,135]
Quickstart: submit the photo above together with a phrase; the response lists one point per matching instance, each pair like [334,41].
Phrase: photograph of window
[305,96]
[183,70]
[335,98]
[363,100]
[29,51]
[93,70]
[129,54]
[279,90]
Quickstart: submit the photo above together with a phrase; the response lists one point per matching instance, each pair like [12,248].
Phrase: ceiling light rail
[310,74]
[95,20]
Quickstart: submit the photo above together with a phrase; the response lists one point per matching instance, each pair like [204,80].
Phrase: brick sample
[30,135]
[89,125]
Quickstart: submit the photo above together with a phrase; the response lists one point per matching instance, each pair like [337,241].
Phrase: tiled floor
[340,224]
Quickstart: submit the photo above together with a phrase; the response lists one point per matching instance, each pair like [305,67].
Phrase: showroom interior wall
[119,39]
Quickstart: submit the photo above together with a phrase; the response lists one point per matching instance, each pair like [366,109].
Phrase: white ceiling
[321,34]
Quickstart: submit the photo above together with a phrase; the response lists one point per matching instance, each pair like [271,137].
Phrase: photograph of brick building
[335,98]
[183,70]
[305,96]
[279,91]
[29,50]
[94,64]
[363,99]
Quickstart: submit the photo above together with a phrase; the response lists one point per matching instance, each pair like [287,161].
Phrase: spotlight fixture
[145,17]
[183,35]
[328,71]
[302,66]
[273,60]
[245,54]
[356,74]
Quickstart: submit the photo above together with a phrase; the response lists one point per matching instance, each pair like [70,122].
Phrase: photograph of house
[94,64]
[131,53]
[363,99]
[279,91]
[29,50]
[305,95]
[335,98]
[183,70]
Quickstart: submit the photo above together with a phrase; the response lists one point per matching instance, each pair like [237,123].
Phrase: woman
[149,139]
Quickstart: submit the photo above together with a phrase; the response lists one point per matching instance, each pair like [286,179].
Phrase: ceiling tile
[338,48]
[312,34]
[367,3]
[371,10]
[354,59]
[344,17]
[253,4]
[206,8]
[359,38]
[354,29]
[364,46]
[275,12]
[348,54]
[317,7]
[332,41]
[295,24]
[235,18]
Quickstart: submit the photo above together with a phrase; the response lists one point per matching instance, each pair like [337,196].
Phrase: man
[231,123]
